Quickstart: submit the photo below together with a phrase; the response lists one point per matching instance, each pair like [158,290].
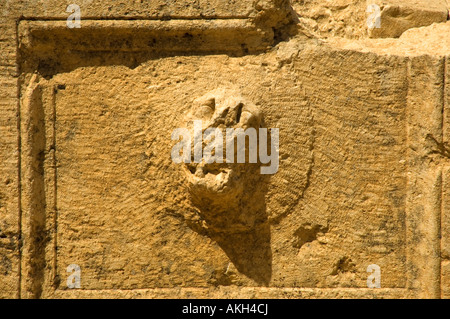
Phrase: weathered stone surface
[86,175]
[330,18]
[350,19]
[414,42]
[445,273]
[445,217]
[9,183]
[397,16]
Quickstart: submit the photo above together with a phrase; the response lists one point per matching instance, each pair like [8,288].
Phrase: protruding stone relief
[229,195]
[359,19]
[357,197]
[398,16]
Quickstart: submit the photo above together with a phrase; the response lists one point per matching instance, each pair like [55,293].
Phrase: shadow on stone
[229,197]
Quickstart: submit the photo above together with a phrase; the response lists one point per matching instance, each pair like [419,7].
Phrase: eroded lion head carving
[228,195]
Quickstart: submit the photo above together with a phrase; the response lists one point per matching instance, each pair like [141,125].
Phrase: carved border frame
[424,273]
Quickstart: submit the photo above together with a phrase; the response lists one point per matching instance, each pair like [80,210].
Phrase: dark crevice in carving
[343,265]
[239,112]
[439,148]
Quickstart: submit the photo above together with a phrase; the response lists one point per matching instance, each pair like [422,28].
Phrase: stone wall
[87,179]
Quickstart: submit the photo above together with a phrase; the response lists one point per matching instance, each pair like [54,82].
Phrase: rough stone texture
[9,183]
[349,18]
[329,18]
[414,42]
[86,117]
[397,16]
[445,218]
